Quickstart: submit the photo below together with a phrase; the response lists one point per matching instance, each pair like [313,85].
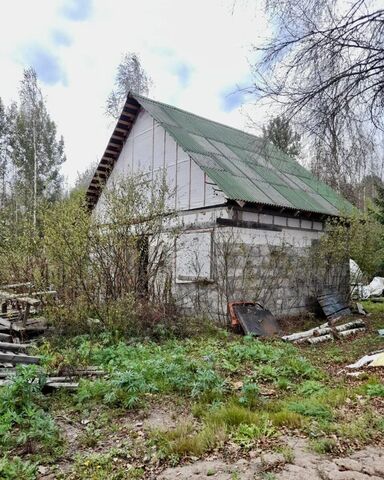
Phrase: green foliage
[23,422]
[310,408]
[280,133]
[184,440]
[250,394]
[375,390]
[358,236]
[246,435]
[324,445]
[288,419]
[12,468]
[310,387]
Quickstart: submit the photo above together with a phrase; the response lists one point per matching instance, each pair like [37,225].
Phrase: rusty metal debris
[253,319]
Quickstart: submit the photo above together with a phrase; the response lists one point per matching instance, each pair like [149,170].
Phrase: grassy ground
[162,404]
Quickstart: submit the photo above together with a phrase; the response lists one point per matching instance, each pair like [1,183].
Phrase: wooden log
[38,324]
[5,337]
[308,333]
[44,292]
[352,331]
[330,336]
[322,330]
[14,358]
[321,339]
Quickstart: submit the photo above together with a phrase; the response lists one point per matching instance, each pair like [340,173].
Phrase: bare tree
[325,65]
[130,76]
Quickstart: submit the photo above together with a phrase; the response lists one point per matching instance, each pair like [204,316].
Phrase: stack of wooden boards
[19,323]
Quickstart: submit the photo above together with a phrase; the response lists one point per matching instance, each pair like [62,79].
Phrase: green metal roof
[244,166]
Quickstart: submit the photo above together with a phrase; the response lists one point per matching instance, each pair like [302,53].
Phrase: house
[249,212]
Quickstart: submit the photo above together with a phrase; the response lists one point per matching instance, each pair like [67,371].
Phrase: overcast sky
[197,53]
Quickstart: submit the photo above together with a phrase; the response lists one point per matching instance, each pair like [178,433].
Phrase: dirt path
[304,465]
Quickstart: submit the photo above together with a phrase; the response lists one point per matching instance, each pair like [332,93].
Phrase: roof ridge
[136,95]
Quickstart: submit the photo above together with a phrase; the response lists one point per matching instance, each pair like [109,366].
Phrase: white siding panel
[182,200]
[212,196]
[158,148]
[197,186]
[148,150]
[143,122]
[142,152]
[170,151]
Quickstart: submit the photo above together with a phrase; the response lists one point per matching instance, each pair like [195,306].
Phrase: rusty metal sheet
[256,320]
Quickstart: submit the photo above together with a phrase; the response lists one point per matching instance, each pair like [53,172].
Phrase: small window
[194,257]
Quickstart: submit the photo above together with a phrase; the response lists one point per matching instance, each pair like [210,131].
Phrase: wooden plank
[7,372]
[19,298]
[5,337]
[18,358]
[14,347]
[5,323]
[16,285]
[66,385]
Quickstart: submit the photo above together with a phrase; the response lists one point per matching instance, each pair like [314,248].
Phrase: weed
[250,394]
[232,415]
[283,383]
[90,437]
[296,368]
[247,435]
[310,387]
[23,422]
[269,476]
[287,452]
[375,390]
[323,445]
[183,440]
[288,419]
[310,408]
[15,468]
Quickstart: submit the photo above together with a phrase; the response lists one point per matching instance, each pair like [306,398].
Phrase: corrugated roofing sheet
[243,166]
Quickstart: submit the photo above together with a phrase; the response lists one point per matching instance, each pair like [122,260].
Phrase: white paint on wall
[150,151]
[193,256]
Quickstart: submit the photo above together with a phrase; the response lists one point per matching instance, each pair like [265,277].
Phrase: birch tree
[130,77]
[37,154]
[324,65]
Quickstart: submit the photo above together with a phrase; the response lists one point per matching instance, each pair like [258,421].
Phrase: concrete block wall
[261,265]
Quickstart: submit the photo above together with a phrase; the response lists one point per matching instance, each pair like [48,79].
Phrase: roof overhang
[111,154]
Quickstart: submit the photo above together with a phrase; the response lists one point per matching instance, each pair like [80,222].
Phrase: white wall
[150,151]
